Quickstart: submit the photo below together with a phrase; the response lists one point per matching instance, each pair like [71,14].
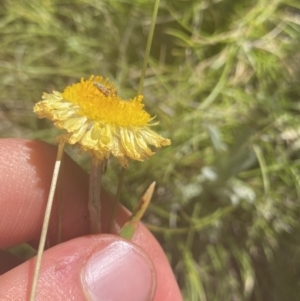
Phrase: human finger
[28,168]
[99,267]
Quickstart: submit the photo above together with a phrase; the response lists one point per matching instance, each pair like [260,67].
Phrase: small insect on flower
[101,122]
[104,90]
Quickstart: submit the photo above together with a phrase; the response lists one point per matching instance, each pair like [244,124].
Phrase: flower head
[100,121]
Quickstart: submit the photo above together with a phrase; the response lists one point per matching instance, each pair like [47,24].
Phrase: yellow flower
[100,121]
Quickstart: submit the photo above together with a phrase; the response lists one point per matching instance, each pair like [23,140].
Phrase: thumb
[100,267]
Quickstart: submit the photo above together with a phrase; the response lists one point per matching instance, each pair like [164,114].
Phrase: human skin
[70,269]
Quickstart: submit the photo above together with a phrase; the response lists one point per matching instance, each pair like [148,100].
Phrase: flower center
[98,100]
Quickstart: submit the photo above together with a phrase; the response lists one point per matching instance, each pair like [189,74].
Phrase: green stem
[148,46]
[140,89]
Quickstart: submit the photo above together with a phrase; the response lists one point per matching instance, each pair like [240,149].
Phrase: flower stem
[148,46]
[94,204]
[46,219]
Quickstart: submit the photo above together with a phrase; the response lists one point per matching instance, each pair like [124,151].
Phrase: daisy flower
[101,122]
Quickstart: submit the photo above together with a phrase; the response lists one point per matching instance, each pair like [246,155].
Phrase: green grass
[223,80]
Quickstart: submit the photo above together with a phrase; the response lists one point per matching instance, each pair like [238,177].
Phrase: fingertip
[99,267]
[120,265]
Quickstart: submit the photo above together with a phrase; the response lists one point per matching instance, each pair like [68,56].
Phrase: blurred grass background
[223,80]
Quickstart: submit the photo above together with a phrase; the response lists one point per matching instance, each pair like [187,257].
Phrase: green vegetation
[223,80]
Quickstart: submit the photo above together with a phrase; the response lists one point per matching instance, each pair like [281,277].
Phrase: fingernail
[120,271]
